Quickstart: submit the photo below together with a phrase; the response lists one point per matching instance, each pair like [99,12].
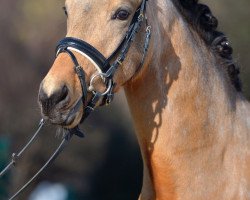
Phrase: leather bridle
[105,69]
[106,72]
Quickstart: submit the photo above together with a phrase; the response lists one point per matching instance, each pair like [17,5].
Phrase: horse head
[95,59]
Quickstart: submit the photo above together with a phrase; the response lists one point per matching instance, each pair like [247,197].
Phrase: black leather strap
[86,48]
[79,71]
[117,57]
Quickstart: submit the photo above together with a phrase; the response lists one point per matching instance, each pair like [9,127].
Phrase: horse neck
[178,102]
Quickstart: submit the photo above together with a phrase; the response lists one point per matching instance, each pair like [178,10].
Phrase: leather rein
[106,71]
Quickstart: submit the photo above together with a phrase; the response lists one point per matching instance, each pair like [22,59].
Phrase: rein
[56,153]
[105,70]
[16,156]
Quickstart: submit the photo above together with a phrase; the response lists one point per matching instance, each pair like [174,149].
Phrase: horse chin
[74,116]
[72,121]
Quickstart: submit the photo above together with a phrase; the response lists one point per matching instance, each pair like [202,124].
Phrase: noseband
[105,69]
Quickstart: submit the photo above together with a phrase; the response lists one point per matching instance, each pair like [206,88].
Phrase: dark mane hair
[203,21]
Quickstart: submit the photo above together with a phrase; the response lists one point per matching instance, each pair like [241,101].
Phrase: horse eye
[121,15]
[65,10]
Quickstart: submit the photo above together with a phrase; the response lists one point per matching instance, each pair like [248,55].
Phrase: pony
[191,118]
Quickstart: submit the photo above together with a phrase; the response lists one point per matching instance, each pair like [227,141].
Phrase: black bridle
[106,71]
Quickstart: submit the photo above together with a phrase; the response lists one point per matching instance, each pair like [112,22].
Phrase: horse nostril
[49,102]
[61,95]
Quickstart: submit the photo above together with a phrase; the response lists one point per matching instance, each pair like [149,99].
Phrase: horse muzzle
[57,107]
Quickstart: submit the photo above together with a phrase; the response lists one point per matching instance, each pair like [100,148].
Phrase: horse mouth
[67,118]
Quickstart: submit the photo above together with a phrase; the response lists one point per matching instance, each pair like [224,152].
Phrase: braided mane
[203,21]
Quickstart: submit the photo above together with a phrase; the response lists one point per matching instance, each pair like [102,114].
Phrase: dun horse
[191,119]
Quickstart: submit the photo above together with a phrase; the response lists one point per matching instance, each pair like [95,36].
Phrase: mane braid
[203,21]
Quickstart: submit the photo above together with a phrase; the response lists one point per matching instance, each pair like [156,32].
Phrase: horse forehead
[88,4]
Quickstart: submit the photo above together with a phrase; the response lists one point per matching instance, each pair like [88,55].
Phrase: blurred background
[106,165]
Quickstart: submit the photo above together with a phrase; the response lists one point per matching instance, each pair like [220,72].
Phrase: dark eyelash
[118,14]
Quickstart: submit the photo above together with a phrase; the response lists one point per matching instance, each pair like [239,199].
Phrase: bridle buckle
[141,17]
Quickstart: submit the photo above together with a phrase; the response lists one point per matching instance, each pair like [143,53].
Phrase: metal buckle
[148,30]
[141,17]
[14,158]
[119,61]
[91,108]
